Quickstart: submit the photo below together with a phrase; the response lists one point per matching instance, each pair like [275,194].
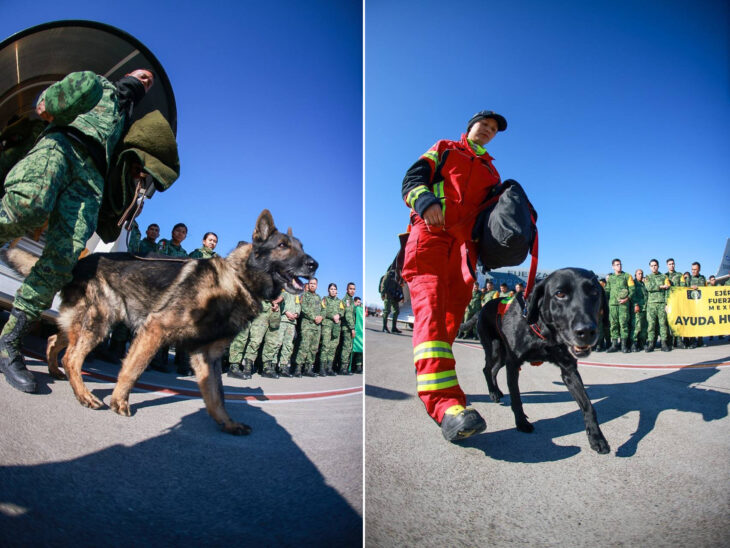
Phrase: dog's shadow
[673,391]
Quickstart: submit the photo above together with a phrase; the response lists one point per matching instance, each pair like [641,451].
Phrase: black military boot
[649,347]
[614,347]
[270,371]
[284,370]
[327,370]
[459,423]
[666,347]
[235,370]
[345,370]
[12,363]
[394,327]
[385,324]
[309,370]
[246,368]
[635,346]
[625,346]
[297,371]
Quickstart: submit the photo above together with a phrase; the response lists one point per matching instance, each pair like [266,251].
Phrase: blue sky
[269,101]
[618,115]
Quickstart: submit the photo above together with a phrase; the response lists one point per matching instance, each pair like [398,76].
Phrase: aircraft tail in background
[724,270]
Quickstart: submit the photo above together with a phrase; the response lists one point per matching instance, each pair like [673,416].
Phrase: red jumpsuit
[453,175]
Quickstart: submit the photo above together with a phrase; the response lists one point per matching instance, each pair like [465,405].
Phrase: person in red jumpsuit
[444,190]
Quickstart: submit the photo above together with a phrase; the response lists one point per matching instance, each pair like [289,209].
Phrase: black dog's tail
[468,325]
[19,260]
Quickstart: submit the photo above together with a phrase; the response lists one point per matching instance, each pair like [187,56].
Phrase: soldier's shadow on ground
[673,391]
[192,486]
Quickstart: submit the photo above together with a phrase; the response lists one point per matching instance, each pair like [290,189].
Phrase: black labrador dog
[559,325]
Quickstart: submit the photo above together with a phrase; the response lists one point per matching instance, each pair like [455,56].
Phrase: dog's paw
[88,399]
[57,374]
[599,445]
[120,407]
[525,426]
[496,396]
[237,428]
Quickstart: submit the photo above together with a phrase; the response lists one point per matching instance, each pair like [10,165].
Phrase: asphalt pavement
[664,483]
[168,476]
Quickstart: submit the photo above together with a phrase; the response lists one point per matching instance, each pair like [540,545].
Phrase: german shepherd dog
[559,324]
[201,302]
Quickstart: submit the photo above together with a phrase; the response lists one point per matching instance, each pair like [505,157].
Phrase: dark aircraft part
[35,58]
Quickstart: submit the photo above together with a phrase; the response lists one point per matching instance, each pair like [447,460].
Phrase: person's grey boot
[12,363]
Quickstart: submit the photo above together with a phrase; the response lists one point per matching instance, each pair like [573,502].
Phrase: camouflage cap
[77,93]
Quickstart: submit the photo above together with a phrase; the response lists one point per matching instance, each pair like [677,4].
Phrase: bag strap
[533,262]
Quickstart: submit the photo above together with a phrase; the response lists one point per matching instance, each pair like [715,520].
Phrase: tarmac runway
[169,476]
[664,483]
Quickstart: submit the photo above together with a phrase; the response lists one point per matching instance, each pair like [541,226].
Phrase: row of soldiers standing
[324,324]
[637,307]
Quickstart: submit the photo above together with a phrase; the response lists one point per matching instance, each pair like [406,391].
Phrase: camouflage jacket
[139,245]
[475,303]
[292,304]
[203,253]
[311,308]
[652,283]
[617,283]
[489,295]
[348,314]
[332,306]
[88,102]
[641,294]
[699,281]
[675,278]
[166,247]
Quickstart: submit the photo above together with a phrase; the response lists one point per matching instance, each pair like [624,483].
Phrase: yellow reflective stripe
[437,381]
[438,190]
[415,193]
[431,155]
[436,376]
[432,349]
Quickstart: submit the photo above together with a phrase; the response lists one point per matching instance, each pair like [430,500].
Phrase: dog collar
[536,330]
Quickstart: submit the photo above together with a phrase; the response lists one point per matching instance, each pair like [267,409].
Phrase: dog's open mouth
[580,351]
[292,283]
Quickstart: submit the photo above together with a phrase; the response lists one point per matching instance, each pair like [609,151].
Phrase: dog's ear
[264,226]
[289,233]
[534,303]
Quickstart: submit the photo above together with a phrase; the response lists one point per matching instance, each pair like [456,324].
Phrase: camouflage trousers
[656,314]
[389,304]
[638,323]
[346,349]
[58,183]
[330,340]
[280,338]
[257,331]
[309,344]
[619,317]
[238,344]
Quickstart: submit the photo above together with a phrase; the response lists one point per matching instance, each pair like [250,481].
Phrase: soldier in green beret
[311,328]
[172,247]
[206,251]
[657,285]
[620,288]
[61,179]
[331,329]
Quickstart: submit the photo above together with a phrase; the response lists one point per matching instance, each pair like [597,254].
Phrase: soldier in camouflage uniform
[675,278]
[311,328]
[283,338]
[638,302]
[206,251]
[475,304]
[620,288]
[489,293]
[269,319]
[148,244]
[236,367]
[657,285]
[61,180]
[172,247]
[348,329]
[392,295]
[331,328]
[695,281]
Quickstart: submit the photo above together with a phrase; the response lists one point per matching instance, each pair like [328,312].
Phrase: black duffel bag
[505,230]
